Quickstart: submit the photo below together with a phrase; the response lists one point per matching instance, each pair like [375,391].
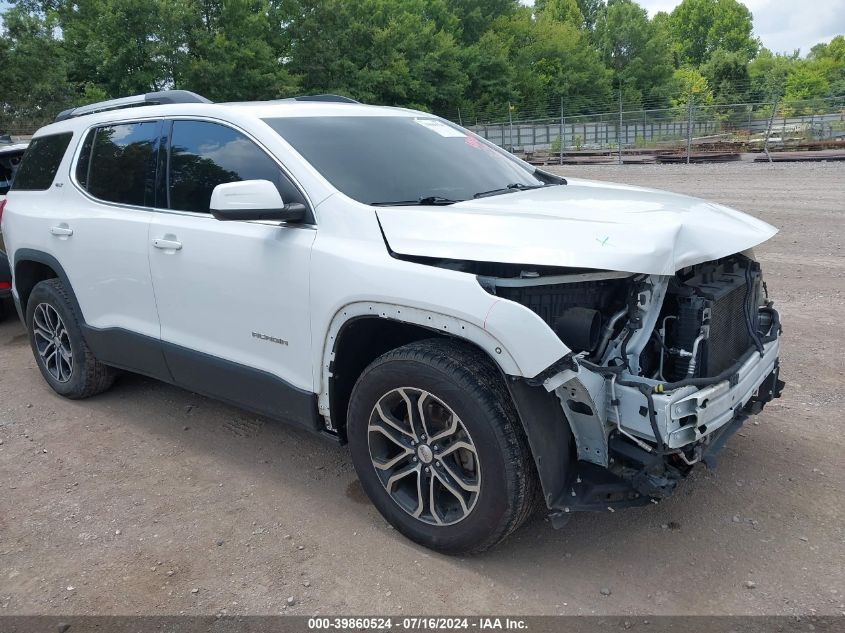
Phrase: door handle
[167,245]
[61,231]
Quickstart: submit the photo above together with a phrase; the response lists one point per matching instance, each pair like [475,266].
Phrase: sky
[784,25]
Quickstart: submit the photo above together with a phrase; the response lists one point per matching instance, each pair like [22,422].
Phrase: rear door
[232,296]
[100,237]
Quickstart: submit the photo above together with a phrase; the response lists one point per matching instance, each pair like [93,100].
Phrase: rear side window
[41,162]
[204,155]
[117,163]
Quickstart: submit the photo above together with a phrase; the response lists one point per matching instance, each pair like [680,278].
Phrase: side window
[41,162]
[204,155]
[83,165]
[117,163]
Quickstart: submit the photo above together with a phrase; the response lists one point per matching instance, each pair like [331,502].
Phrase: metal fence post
[510,118]
[619,129]
[561,130]
[769,129]
[689,126]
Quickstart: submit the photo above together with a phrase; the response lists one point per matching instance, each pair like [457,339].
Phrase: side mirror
[253,200]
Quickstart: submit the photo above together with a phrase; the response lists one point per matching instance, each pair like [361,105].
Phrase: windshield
[404,160]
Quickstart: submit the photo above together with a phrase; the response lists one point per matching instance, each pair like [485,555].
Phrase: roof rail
[150,98]
[326,98]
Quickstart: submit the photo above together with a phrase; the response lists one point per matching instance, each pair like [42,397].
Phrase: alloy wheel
[424,456]
[52,342]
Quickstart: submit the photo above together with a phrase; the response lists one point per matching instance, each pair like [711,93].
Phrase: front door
[232,297]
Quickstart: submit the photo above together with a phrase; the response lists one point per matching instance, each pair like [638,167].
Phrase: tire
[445,380]
[77,375]
[3,310]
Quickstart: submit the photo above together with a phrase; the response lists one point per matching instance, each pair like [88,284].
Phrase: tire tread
[97,377]
[478,376]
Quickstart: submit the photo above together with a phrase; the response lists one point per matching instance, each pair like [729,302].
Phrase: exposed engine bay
[663,369]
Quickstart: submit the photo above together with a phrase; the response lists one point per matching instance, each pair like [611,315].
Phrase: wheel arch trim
[23,255]
[436,322]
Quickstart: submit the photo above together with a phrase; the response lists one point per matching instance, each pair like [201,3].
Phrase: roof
[124,109]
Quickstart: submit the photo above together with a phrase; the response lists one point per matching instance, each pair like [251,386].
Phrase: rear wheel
[62,355]
[438,447]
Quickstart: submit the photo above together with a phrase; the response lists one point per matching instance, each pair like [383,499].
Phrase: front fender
[434,321]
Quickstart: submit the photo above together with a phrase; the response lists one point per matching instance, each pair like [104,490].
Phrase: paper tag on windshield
[441,128]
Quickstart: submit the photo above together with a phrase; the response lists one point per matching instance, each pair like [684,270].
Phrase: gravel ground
[152,500]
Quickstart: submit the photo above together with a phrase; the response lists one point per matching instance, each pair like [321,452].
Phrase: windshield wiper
[427,201]
[514,186]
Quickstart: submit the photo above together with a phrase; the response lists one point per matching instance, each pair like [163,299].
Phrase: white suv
[479,331]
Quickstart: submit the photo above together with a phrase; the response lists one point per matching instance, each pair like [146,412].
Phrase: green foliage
[591,10]
[229,53]
[559,61]
[637,51]
[393,52]
[35,71]
[727,76]
[559,10]
[690,83]
[490,58]
[700,27]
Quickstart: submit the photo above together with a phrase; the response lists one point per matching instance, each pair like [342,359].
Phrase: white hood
[583,224]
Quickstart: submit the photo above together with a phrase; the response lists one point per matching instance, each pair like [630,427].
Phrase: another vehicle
[10,158]
[476,329]
[5,282]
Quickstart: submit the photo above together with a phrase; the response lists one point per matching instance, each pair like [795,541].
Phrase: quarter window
[117,163]
[41,162]
[204,155]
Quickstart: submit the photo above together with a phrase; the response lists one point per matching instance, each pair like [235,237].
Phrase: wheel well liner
[359,342]
[33,266]
[363,339]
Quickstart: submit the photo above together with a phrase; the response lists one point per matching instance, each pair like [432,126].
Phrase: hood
[583,224]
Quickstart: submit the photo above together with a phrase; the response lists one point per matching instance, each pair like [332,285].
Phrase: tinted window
[204,155]
[122,163]
[84,162]
[41,162]
[397,158]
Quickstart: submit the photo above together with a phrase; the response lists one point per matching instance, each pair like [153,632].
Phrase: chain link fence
[686,129]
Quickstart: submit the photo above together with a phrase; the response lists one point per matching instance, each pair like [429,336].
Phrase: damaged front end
[663,370]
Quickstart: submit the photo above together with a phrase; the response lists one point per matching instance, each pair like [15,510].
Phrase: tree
[491,77]
[560,10]
[637,51]
[120,45]
[476,16]
[829,59]
[394,52]
[591,10]
[700,27]
[689,83]
[767,75]
[727,76]
[229,52]
[35,85]
[554,60]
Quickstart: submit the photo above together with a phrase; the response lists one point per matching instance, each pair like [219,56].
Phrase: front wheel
[438,448]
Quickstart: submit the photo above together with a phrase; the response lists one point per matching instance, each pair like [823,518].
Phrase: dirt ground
[152,500]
